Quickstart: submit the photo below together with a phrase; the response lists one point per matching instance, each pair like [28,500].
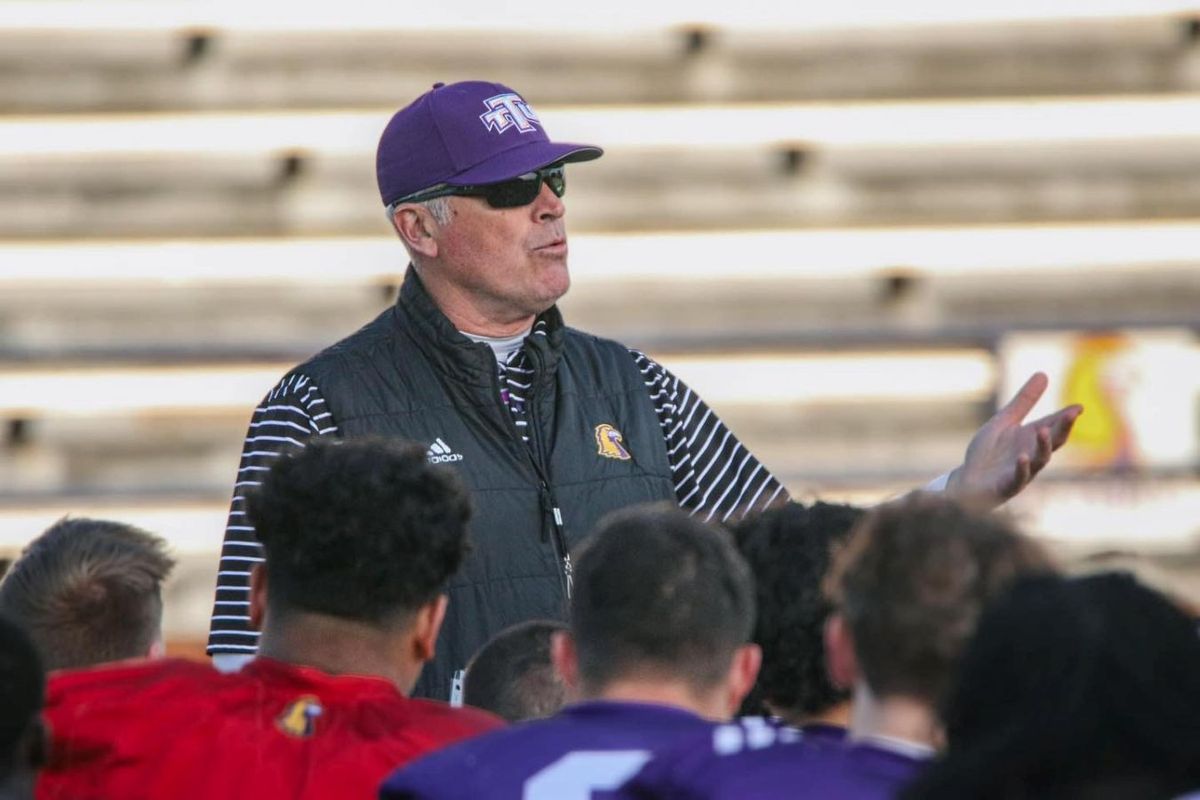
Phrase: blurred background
[852,230]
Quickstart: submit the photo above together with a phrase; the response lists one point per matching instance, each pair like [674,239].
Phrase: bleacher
[187,207]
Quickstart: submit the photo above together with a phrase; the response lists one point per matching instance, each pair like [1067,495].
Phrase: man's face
[511,262]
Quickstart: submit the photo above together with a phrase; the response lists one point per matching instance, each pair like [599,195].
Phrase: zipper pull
[569,572]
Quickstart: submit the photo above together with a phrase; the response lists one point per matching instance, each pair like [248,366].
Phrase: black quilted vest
[410,374]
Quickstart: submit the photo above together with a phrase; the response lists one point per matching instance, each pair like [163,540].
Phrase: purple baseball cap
[465,134]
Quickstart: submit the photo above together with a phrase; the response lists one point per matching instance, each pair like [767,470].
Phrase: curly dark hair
[364,529]
[789,549]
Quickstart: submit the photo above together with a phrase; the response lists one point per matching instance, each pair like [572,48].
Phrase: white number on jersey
[576,775]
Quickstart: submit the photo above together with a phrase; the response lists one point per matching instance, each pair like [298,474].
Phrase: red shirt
[178,729]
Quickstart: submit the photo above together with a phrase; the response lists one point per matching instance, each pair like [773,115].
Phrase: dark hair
[512,675]
[22,694]
[911,583]
[364,529]
[658,592]
[789,551]
[88,591]
[1070,687]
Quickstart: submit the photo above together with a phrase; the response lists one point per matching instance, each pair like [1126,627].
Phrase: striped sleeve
[292,414]
[715,476]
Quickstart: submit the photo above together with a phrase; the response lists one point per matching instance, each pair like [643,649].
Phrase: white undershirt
[503,348]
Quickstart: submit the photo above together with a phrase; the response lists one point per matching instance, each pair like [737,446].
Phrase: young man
[360,539]
[907,590]
[552,427]
[89,591]
[658,648]
[789,550]
[513,676]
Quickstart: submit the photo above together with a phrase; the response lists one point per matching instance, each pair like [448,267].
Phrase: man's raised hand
[1007,452]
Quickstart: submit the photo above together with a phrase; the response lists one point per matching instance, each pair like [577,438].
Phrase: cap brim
[519,160]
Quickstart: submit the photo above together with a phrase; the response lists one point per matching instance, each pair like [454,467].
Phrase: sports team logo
[609,443]
[299,719]
[506,111]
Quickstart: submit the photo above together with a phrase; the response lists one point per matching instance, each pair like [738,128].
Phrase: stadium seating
[187,206]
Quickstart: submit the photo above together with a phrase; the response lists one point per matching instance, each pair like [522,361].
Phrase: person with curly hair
[360,539]
[789,549]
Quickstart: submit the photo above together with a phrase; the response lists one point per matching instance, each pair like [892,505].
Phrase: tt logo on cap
[506,111]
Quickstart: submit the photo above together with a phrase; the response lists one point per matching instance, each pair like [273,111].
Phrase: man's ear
[565,659]
[415,227]
[258,596]
[840,661]
[426,627]
[743,672]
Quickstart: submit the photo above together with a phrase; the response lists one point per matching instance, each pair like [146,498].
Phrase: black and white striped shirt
[715,476]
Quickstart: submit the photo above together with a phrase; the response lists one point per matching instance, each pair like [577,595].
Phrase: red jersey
[178,729]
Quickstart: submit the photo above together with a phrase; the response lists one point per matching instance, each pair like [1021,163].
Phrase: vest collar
[464,360]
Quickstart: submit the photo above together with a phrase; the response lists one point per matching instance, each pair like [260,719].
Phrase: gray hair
[438,207]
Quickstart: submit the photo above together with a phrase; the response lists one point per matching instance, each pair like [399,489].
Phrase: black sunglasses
[519,191]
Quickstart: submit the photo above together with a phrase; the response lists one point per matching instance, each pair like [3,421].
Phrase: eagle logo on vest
[609,443]
[299,719]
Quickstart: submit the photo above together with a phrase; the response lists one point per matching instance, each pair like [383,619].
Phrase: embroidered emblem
[508,111]
[609,443]
[299,719]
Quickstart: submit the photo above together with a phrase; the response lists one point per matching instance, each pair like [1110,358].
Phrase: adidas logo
[440,453]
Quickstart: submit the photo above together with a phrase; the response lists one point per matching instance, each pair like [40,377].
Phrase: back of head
[789,550]
[362,529]
[911,583]
[22,693]
[513,675]
[88,591]
[1071,687]
[659,594]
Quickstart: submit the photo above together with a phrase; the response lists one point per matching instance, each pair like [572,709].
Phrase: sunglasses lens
[524,190]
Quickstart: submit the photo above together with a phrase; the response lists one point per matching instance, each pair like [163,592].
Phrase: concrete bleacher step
[70,56]
[801,288]
[685,167]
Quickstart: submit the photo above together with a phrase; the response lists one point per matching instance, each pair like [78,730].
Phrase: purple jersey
[740,762]
[584,752]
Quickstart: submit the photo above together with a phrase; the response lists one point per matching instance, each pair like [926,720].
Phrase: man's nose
[548,205]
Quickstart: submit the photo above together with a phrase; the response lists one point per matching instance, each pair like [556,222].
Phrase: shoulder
[368,342]
[462,722]
[120,680]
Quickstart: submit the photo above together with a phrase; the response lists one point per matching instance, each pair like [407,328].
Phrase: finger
[1025,399]
[1022,475]
[1042,457]
[1060,424]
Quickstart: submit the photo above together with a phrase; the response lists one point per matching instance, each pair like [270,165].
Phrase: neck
[710,705]
[896,717]
[470,313]
[837,715]
[342,647]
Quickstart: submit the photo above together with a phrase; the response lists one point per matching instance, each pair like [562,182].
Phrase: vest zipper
[536,456]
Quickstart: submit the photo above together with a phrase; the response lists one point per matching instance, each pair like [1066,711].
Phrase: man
[658,648]
[360,538]
[513,677]
[789,550]
[22,693]
[89,591]
[908,590]
[551,428]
